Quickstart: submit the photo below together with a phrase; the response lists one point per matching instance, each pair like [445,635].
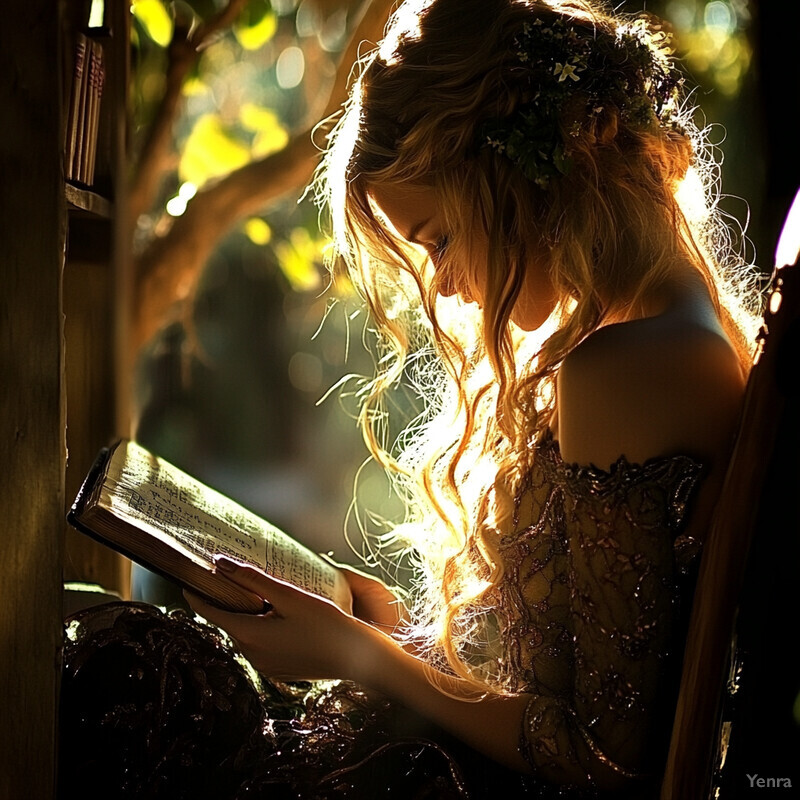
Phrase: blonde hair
[608,231]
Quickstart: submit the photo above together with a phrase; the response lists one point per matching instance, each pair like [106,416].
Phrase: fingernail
[224,564]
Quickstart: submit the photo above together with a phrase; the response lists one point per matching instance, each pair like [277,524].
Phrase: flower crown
[630,71]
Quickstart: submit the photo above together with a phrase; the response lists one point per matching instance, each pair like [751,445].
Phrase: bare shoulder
[648,388]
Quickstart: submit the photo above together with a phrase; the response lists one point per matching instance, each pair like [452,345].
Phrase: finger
[357,578]
[254,579]
[362,584]
[206,609]
[219,616]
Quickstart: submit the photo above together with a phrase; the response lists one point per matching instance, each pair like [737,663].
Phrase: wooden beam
[32,444]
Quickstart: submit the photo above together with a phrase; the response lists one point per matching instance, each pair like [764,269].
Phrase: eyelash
[441,245]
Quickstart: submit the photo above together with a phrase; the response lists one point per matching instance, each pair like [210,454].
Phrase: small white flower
[565,71]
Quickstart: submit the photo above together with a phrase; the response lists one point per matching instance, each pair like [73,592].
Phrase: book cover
[169,522]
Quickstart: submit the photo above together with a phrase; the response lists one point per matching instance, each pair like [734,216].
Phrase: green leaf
[154,19]
[210,151]
[270,135]
[258,231]
[298,260]
[195,87]
[252,37]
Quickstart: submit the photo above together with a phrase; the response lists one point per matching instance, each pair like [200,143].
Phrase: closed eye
[440,247]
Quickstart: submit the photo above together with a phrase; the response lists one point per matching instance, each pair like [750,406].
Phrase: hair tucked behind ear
[600,211]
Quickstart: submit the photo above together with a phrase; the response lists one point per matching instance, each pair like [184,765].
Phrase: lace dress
[591,607]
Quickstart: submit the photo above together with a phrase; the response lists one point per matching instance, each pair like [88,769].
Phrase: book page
[159,498]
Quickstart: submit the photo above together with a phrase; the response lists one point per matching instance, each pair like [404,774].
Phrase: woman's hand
[306,637]
[373,601]
[302,637]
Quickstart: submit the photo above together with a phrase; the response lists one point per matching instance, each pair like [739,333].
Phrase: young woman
[504,168]
[509,190]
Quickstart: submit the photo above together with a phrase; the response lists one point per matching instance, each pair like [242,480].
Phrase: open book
[171,523]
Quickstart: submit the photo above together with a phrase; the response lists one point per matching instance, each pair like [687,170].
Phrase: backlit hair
[608,232]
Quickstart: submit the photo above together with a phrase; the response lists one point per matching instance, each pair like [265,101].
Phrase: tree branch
[183,52]
[167,271]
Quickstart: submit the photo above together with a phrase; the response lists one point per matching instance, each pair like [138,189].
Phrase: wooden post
[32,421]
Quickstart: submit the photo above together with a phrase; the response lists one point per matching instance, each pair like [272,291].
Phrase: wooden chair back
[698,740]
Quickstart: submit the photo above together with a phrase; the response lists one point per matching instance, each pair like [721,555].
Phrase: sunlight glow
[177,205]
[308,19]
[690,195]
[403,25]
[153,17]
[187,191]
[97,14]
[713,35]
[258,231]
[788,247]
[290,68]
[720,17]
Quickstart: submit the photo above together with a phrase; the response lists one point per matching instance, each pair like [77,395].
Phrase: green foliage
[256,26]
[269,133]
[234,112]
[258,231]
[298,257]
[154,19]
[211,151]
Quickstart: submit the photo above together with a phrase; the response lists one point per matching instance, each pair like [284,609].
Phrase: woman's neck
[682,292]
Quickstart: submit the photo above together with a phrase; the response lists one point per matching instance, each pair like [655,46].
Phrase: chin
[532,320]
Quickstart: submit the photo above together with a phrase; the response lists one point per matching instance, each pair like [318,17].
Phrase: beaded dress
[591,609]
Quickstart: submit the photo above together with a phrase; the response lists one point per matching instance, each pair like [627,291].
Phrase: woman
[524,157]
[503,188]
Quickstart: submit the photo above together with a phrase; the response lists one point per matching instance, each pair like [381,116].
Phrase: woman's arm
[306,637]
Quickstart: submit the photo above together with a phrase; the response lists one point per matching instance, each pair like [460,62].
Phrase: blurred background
[230,380]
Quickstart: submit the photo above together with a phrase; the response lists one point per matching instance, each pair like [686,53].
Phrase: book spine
[73,116]
[83,107]
[90,80]
[97,81]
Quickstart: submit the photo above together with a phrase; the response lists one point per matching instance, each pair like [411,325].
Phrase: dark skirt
[156,704]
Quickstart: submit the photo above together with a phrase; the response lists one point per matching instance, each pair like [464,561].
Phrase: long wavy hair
[607,232]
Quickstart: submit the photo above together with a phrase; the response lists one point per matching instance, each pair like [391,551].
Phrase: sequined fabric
[591,613]
[158,705]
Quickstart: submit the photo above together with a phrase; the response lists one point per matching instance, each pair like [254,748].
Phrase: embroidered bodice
[591,614]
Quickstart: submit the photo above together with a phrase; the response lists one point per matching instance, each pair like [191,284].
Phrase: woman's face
[414,214]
